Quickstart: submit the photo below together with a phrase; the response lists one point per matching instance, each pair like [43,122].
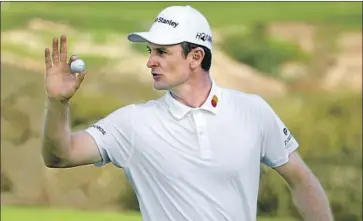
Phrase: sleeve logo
[100,129]
[285,131]
[288,139]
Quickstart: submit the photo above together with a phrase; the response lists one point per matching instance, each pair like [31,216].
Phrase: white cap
[176,24]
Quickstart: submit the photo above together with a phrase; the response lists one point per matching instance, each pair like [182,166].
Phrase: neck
[193,92]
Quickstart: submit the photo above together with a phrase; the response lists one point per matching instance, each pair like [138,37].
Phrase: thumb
[72,58]
[81,76]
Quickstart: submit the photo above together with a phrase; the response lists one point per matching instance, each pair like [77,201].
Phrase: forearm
[56,140]
[311,200]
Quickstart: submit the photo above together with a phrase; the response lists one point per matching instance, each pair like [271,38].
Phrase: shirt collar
[179,110]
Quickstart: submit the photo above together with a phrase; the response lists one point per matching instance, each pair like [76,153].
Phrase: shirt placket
[203,140]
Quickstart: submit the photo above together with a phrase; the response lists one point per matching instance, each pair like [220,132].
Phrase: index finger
[63,49]
[48,60]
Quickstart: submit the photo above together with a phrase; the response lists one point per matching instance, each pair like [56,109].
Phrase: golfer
[192,155]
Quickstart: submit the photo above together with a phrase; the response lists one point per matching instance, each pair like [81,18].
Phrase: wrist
[56,102]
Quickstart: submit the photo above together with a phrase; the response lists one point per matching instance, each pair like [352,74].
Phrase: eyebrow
[158,48]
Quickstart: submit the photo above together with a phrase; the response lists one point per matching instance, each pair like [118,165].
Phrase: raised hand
[60,82]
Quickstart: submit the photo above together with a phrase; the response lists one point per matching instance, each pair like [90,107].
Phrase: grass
[130,16]
[45,214]
[22,50]
[104,21]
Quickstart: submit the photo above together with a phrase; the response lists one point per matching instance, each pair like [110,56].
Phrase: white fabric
[176,24]
[189,164]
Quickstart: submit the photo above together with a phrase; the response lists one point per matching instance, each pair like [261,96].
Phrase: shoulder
[243,99]
[137,110]
[246,104]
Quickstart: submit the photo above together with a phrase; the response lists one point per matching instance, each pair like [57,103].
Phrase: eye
[160,51]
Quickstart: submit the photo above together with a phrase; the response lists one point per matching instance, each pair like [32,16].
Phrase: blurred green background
[305,58]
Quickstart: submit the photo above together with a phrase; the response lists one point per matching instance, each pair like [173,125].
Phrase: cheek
[175,67]
[182,68]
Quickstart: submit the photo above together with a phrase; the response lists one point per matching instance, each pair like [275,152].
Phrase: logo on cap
[170,22]
[203,37]
[214,101]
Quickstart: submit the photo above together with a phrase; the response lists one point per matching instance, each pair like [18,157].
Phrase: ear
[196,56]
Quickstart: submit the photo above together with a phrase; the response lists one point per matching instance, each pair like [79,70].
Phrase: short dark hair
[207,60]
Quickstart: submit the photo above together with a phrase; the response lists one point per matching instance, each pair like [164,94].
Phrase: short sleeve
[113,136]
[278,142]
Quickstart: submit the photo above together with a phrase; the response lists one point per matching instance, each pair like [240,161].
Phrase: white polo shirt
[195,164]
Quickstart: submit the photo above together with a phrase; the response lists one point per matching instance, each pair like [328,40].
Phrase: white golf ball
[78,66]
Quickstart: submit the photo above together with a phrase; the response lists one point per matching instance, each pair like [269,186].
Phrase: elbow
[56,164]
[50,165]
[54,161]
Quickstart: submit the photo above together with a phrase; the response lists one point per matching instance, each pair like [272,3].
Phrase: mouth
[156,76]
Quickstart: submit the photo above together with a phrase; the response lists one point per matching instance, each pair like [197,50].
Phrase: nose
[151,62]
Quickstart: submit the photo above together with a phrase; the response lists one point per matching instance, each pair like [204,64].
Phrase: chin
[160,86]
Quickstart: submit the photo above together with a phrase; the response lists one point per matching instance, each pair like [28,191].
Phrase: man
[195,153]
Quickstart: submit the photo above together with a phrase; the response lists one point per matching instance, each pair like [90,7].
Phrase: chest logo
[214,101]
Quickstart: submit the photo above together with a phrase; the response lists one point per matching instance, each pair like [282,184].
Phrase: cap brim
[153,38]
[138,37]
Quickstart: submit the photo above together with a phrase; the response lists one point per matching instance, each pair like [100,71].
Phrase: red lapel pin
[214,101]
